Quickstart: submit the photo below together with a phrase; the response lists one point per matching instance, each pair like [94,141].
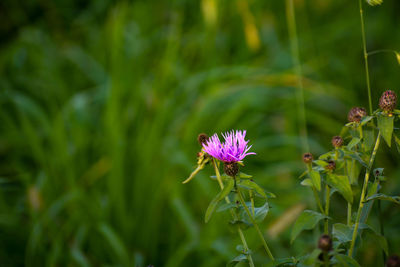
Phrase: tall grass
[101,104]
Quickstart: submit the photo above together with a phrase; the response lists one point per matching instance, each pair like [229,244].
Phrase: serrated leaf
[307,220]
[316,179]
[346,261]
[213,204]
[342,184]
[395,199]
[374,2]
[385,125]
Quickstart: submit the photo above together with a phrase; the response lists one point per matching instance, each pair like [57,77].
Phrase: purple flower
[232,150]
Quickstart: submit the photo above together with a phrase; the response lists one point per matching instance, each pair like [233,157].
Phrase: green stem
[363,192]
[253,221]
[294,45]
[348,213]
[234,216]
[365,55]
[327,200]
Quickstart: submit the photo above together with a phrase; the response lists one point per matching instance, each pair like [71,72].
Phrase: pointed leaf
[385,125]
[307,182]
[236,260]
[374,2]
[342,184]
[211,208]
[395,199]
[250,184]
[306,221]
[316,179]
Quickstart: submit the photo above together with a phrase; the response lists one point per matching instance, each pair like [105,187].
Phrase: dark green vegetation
[101,104]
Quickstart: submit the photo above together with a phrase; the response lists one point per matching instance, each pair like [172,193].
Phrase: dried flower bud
[356,114]
[307,158]
[325,243]
[393,261]
[388,101]
[231,168]
[331,165]
[337,141]
[202,138]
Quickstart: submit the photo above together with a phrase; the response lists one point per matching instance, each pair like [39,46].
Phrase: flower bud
[325,243]
[393,261]
[202,138]
[231,168]
[307,158]
[331,165]
[356,114]
[337,141]
[388,101]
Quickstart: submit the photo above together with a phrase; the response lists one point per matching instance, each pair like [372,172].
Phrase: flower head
[388,101]
[356,114]
[234,148]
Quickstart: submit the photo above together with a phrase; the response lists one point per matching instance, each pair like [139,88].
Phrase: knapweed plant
[237,190]
[337,171]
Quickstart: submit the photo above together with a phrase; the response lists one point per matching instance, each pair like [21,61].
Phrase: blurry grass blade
[116,245]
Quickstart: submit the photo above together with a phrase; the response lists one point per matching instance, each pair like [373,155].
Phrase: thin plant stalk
[365,55]
[327,201]
[234,216]
[294,45]
[253,221]
[363,192]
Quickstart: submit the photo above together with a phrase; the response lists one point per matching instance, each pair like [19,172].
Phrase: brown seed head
[331,165]
[337,141]
[231,168]
[393,261]
[202,138]
[307,158]
[388,101]
[356,114]
[325,243]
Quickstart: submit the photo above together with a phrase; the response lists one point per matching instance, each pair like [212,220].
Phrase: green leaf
[342,184]
[345,261]
[395,199]
[342,232]
[353,171]
[226,206]
[365,120]
[250,184]
[397,140]
[236,260]
[307,182]
[244,176]
[306,221]
[310,259]
[261,212]
[211,208]
[398,57]
[321,163]
[353,142]
[355,156]
[316,179]
[385,125]
[375,3]
[369,138]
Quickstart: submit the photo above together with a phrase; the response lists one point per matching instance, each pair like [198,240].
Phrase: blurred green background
[102,101]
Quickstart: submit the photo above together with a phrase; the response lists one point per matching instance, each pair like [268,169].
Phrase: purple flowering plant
[335,172]
[235,187]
